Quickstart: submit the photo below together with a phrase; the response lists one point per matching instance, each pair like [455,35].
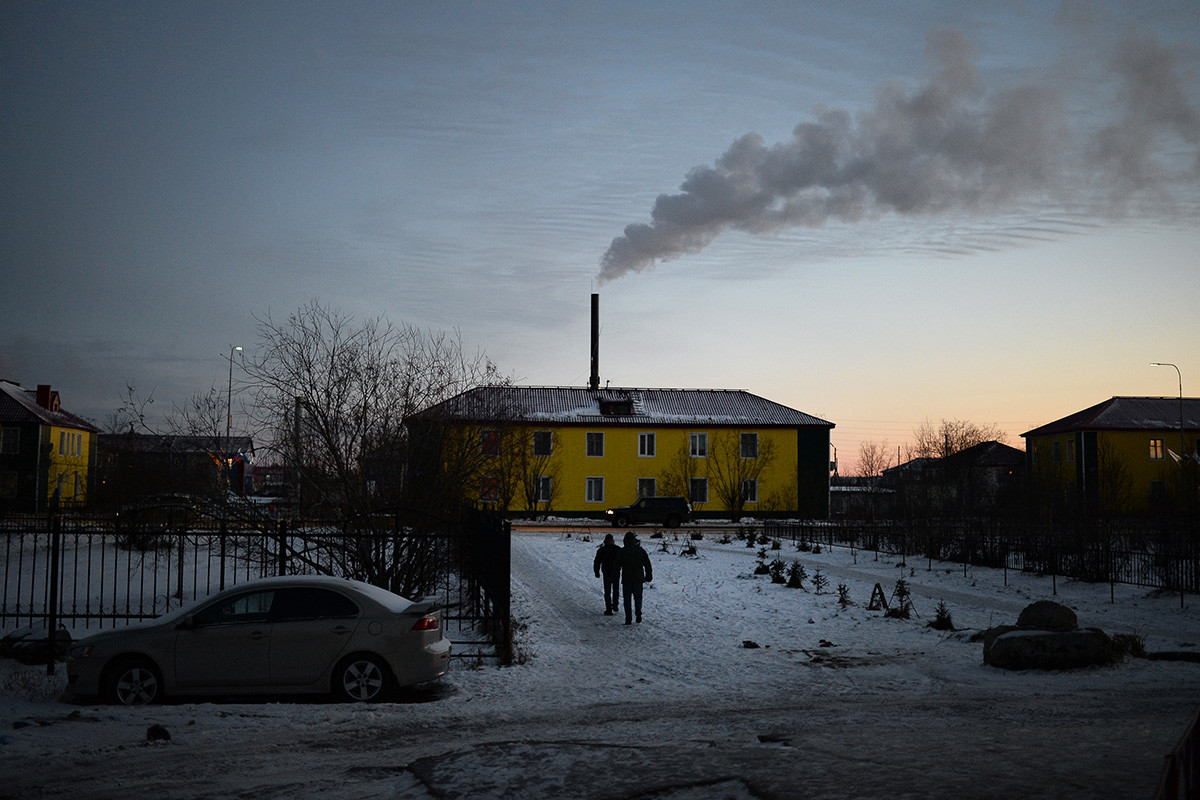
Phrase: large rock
[1046,636]
[1019,648]
[1046,615]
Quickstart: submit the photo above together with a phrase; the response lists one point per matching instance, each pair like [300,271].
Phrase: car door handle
[340,629]
[258,635]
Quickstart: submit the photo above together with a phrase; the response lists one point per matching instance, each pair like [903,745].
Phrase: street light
[229,397]
[1180,374]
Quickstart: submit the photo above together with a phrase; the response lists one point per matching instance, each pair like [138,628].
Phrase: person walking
[608,563]
[635,570]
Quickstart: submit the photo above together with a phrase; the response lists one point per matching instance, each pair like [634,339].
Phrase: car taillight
[426,624]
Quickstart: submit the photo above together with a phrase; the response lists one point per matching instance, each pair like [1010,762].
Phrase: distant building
[1126,455]
[134,466]
[982,480]
[46,454]
[579,451]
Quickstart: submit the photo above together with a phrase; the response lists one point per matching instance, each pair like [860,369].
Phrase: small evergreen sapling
[778,568]
[820,582]
[844,596]
[797,574]
[942,620]
[762,568]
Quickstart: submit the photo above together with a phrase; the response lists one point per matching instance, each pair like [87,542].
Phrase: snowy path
[673,708]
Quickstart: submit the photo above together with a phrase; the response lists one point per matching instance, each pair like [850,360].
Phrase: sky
[877,214]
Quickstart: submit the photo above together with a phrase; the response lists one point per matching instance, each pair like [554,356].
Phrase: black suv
[668,511]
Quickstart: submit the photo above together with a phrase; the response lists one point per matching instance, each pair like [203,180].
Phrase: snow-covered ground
[834,702]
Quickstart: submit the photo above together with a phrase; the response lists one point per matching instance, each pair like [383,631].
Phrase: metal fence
[88,573]
[1159,556]
[1181,768]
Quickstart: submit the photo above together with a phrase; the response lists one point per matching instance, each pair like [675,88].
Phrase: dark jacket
[608,560]
[635,563]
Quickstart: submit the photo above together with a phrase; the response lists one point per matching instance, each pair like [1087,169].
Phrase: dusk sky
[877,213]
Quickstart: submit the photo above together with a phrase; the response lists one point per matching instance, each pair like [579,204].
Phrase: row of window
[594,489]
[1158,451]
[543,444]
[70,444]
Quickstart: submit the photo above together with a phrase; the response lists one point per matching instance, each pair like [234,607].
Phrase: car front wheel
[361,679]
[620,521]
[134,682]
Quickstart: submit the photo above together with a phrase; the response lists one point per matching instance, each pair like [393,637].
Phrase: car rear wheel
[361,679]
[672,521]
[134,682]
[620,521]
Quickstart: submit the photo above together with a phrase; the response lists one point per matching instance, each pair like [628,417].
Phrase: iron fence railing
[1165,557]
[1181,768]
[88,573]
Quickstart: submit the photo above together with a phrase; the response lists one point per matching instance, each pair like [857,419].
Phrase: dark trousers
[633,600]
[612,592]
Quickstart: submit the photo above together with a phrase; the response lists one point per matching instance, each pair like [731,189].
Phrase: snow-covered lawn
[834,702]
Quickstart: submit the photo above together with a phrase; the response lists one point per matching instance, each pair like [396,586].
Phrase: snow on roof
[578,405]
[18,404]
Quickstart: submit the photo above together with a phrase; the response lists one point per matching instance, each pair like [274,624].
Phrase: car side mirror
[186,624]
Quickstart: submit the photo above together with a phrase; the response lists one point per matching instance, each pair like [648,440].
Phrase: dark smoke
[947,147]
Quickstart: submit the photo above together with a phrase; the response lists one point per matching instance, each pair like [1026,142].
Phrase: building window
[698,490]
[646,444]
[543,443]
[489,489]
[1070,449]
[10,440]
[595,444]
[647,487]
[750,491]
[490,443]
[749,445]
[544,489]
[1056,452]
[595,490]
[698,445]
[1157,451]
[62,443]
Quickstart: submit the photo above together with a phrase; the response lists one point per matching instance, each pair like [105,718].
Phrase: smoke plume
[947,146]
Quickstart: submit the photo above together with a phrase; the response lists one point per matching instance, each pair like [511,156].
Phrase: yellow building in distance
[1127,455]
[579,451]
[46,454]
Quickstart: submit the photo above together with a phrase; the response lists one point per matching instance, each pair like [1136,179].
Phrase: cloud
[947,147]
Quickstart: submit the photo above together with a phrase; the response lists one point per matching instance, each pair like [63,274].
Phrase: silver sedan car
[295,635]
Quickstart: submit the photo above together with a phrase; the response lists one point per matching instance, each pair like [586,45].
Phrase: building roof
[619,406]
[20,405]
[1127,414]
[154,443]
[987,454]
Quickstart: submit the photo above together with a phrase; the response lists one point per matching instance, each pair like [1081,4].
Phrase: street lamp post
[229,403]
[1180,375]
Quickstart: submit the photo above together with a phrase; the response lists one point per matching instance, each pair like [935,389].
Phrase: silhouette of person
[608,562]
[635,570]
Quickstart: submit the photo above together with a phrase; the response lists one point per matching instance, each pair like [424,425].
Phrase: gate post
[53,599]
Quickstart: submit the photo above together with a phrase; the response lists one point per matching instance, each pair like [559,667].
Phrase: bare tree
[735,468]
[680,470]
[951,436]
[874,458]
[334,394]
